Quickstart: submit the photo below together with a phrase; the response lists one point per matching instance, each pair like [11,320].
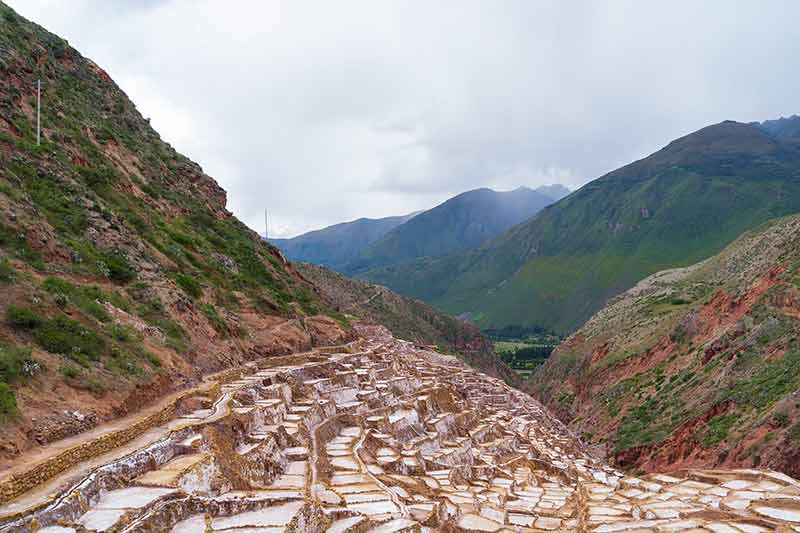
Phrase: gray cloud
[327,111]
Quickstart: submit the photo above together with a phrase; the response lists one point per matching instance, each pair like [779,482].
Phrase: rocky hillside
[338,245]
[122,274]
[678,206]
[408,319]
[693,366]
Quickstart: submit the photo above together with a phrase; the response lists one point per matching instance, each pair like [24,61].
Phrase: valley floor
[378,436]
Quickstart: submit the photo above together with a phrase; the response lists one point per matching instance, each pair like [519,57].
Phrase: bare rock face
[376,436]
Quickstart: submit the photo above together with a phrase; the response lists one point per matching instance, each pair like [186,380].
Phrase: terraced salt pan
[473,522]
[356,488]
[101,519]
[271,516]
[344,463]
[112,505]
[393,526]
[344,524]
[375,507]
[359,497]
[168,474]
[780,513]
[349,479]
[289,481]
[195,524]
[297,468]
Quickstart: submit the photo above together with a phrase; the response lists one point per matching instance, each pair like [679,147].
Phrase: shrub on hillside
[66,336]
[23,317]
[8,402]
[118,268]
[6,271]
[189,285]
[15,363]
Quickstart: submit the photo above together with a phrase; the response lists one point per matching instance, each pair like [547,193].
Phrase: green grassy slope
[675,207]
[122,274]
[693,366]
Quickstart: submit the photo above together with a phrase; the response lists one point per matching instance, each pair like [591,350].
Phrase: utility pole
[266,226]
[38,111]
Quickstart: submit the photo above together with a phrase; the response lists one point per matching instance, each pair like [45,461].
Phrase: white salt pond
[344,524]
[780,513]
[393,525]
[473,522]
[279,515]
[195,524]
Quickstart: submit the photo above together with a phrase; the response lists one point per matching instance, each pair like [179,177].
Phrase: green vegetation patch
[7,272]
[16,364]
[189,285]
[69,337]
[766,382]
[88,299]
[716,430]
[8,402]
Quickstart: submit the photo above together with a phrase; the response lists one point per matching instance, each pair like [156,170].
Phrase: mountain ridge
[463,222]
[352,247]
[334,246]
[675,207]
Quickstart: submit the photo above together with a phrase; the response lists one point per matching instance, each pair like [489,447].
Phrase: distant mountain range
[680,205]
[337,245]
[462,222]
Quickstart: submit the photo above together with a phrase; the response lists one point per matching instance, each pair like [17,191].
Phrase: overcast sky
[329,111]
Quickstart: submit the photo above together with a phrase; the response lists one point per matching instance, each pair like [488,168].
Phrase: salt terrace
[381,436]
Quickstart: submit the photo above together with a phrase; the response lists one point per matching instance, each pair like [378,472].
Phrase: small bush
[15,363]
[217,322]
[8,402]
[69,371]
[118,268]
[189,285]
[87,299]
[781,420]
[6,271]
[23,317]
[717,429]
[68,337]
[153,359]
[121,333]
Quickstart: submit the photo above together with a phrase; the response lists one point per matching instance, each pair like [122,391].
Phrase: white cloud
[327,111]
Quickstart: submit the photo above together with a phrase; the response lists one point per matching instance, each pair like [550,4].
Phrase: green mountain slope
[463,222]
[675,207]
[697,366]
[122,275]
[338,245]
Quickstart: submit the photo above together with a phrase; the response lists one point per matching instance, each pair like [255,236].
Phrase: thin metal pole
[38,111]
[266,225]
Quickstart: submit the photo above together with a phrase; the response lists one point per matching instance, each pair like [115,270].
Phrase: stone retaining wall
[18,484]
